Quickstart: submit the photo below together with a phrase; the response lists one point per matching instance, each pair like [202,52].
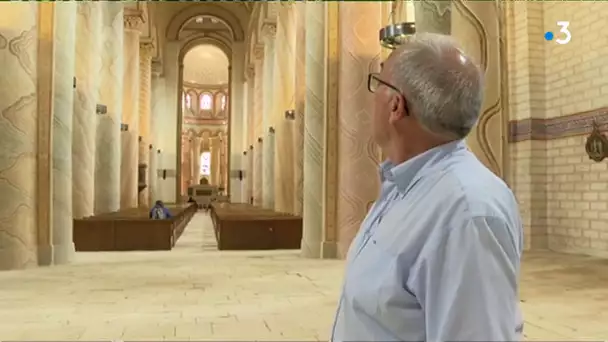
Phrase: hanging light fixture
[395,34]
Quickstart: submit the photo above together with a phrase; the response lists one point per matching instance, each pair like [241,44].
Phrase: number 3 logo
[564,29]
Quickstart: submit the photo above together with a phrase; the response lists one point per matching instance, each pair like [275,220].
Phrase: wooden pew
[131,230]
[240,226]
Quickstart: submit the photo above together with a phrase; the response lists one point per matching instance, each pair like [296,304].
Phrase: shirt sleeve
[467,284]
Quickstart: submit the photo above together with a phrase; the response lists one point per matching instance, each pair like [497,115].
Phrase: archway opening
[205,117]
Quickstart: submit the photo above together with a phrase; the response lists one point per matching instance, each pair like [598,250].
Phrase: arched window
[205,102]
[223,102]
[205,163]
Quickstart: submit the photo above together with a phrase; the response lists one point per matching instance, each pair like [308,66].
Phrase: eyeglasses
[374,82]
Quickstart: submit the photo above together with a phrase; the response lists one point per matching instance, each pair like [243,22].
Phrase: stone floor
[198,293]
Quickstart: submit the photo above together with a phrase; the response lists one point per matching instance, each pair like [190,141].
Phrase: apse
[205,102]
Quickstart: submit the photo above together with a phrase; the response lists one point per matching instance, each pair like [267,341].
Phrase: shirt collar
[404,174]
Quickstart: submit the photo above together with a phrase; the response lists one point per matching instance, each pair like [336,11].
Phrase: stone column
[145,90]
[251,175]
[314,131]
[269,90]
[268,180]
[214,148]
[107,153]
[258,95]
[63,114]
[258,170]
[152,175]
[186,164]
[87,65]
[196,174]
[480,39]
[300,100]
[358,156]
[433,16]
[130,112]
[245,180]
[284,99]
[18,134]
[224,162]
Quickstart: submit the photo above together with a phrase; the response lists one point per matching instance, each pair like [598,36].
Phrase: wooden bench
[240,226]
[131,230]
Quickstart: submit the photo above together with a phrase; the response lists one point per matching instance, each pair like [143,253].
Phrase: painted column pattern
[214,147]
[300,99]
[268,180]
[18,134]
[130,112]
[145,90]
[314,129]
[476,25]
[284,99]
[63,114]
[258,169]
[87,66]
[107,156]
[358,180]
[433,16]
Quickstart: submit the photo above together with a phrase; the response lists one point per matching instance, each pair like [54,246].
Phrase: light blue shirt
[438,256]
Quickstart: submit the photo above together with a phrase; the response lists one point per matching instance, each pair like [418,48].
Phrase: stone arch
[181,18]
[200,39]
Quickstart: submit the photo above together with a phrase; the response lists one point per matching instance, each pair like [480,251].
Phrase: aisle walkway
[194,293]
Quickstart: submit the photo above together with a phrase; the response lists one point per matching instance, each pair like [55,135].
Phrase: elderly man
[438,256]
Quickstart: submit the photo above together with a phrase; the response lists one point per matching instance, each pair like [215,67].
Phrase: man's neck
[400,151]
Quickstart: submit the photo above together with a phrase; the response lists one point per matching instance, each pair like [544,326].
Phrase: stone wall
[556,91]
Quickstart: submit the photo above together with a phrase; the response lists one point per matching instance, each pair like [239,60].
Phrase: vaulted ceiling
[206,64]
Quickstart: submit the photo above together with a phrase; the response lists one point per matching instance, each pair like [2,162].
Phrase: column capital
[133,20]
[258,52]
[146,49]
[157,68]
[250,72]
[269,30]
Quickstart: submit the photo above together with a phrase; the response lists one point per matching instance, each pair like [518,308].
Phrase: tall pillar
[152,182]
[284,99]
[186,164]
[196,170]
[300,100]
[433,16]
[245,180]
[314,131]
[480,39]
[251,175]
[268,180]
[358,156]
[145,90]
[258,95]
[268,199]
[258,170]
[63,114]
[224,162]
[18,135]
[87,66]
[107,156]
[214,147]
[130,112]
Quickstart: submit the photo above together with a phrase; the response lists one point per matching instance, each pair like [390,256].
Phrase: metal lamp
[394,35]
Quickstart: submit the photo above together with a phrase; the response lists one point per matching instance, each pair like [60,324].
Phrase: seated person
[159,212]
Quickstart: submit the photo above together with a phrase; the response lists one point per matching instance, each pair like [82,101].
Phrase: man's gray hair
[442,86]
